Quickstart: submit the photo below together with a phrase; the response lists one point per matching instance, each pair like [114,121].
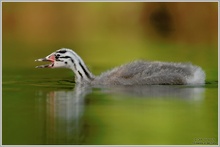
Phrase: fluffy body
[152,73]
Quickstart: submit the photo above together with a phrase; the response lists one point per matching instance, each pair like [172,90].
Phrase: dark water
[46,107]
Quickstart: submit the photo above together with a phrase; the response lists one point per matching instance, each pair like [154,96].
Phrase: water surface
[43,109]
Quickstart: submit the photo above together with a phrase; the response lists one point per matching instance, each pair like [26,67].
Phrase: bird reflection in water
[65,108]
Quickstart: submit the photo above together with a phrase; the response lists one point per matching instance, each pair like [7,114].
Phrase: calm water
[46,107]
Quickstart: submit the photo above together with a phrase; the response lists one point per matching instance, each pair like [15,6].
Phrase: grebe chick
[134,73]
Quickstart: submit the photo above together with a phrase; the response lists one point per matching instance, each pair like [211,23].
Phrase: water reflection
[160,91]
[65,108]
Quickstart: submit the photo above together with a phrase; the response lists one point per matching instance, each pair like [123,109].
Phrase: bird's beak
[50,58]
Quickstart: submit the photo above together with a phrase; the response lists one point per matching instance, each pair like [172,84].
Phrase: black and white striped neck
[82,74]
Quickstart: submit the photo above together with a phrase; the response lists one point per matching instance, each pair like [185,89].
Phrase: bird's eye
[57,56]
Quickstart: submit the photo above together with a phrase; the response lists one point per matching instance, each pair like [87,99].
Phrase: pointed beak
[50,58]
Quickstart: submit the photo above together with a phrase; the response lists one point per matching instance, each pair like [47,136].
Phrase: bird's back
[151,73]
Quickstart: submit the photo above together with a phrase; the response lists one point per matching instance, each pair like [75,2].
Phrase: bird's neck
[82,74]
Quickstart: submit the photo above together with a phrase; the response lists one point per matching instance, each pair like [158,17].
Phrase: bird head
[66,58]
[62,58]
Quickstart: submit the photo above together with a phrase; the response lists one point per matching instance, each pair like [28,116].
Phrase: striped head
[66,58]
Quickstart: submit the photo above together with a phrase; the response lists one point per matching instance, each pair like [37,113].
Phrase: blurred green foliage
[107,34]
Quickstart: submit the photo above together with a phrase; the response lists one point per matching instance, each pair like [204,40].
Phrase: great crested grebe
[134,73]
